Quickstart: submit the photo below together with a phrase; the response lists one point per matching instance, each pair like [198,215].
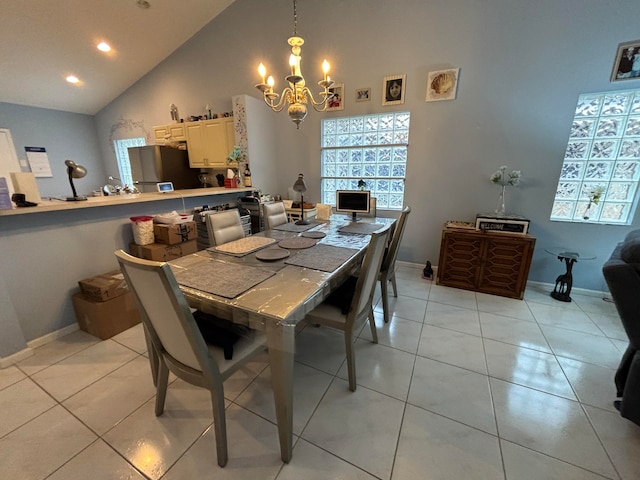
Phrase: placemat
[297,242]
[313,234]
[243,246]
[223,279]
[292,227]
[358,227]
[272,254]
[325,258]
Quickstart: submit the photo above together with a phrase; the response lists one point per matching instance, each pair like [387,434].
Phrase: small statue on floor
[427,273]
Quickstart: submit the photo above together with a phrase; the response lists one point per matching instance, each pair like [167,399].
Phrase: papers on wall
[38,161]
[5,197]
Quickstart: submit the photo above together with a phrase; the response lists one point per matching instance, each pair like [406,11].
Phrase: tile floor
[462,386]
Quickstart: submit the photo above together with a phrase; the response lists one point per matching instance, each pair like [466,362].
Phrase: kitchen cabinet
[210,142]
[488,262]
[176,130]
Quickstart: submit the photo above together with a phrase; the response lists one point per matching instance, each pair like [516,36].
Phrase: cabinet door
[230,130]
[459,263]
[505,268]
[176,130]
[216,143]
[196,145]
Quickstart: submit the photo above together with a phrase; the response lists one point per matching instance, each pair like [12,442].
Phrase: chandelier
[297,95]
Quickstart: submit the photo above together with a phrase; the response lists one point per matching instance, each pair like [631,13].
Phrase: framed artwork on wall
[363,94]
[627,64]
[393,88]
[442,85]
[337,101]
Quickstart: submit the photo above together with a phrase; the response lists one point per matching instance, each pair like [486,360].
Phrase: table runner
[223,279]
[292,227]
[243,246]
[358,227]
[325,258]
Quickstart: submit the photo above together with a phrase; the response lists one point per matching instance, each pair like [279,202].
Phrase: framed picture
[393,89]
[627,64]
[337,101]
[363,94]
[442,85]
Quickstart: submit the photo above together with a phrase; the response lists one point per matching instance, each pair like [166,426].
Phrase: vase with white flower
[504,179]
[594,198]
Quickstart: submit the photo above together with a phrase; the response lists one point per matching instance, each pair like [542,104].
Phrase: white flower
[503,178]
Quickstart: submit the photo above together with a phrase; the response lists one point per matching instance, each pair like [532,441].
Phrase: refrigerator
[158,163]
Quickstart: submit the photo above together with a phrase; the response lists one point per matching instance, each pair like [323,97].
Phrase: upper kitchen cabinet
[209,142]
[175,131]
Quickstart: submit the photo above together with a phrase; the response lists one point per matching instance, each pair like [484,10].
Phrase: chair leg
[392,279]
[153,357]
[351,360]
[372,325]
[385,300]
[220,426]
[161,386]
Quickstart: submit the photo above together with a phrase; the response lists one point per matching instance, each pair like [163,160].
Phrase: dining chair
[274,214]
[372,208]
[224,227]
[388,268]
[177,345]
[360,309]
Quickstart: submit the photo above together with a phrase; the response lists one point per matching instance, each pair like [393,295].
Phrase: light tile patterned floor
[462,385]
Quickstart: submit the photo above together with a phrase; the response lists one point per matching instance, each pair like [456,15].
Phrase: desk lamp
[74,171]
[301,187]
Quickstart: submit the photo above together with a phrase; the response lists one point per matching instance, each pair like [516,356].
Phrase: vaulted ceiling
[42,42]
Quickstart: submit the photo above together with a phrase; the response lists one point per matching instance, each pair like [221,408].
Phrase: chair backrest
[165,313]
[389,262]
[224,227]
[372,208]
[274,214]
[368,276]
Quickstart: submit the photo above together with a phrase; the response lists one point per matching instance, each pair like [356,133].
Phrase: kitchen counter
[93,202]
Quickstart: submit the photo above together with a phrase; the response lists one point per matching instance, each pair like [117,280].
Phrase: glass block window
[602,156]
[122,154]
[372,148]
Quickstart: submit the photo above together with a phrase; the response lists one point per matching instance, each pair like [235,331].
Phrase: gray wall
[65,136]
[523,65]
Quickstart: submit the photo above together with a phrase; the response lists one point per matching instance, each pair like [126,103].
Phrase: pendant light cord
[295,18]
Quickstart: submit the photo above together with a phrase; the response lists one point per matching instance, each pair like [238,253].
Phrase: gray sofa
[622,274]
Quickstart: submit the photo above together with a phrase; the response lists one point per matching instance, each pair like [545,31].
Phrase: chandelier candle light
[297,94]
[502,178]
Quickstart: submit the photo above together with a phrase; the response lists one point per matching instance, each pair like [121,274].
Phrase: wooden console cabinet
[488,262]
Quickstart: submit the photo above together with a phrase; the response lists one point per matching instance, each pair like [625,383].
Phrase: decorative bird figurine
[427,273]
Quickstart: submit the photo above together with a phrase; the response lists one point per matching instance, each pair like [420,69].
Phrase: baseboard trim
[49,337]
[15,357]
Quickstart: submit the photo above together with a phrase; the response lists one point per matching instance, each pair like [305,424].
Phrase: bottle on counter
[247,176]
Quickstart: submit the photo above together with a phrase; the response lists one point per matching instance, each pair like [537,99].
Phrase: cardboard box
[163,253]
[176,233]
[105,319]
[105,286]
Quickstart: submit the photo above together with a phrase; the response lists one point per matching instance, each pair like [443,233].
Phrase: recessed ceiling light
[72,79]
[104,47]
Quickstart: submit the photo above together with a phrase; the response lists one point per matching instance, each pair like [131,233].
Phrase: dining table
[270,281]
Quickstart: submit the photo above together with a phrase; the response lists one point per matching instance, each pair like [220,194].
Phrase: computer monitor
[353,202]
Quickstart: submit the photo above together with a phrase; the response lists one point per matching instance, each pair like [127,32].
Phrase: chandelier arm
[320,106]
[278,107]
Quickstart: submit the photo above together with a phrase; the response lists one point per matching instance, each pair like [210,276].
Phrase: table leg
[564,282]
[281,343]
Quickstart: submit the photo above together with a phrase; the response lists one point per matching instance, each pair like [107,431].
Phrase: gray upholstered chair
[622,274]
[360,308]
[274,214]
[224,227]
[176,343]
[388,268]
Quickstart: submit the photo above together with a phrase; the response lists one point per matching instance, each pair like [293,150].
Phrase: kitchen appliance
[154,164]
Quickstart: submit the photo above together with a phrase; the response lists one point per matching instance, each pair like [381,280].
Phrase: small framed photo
[363,94]
[337,101]
[393,90]
[627,64]
[442,85]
